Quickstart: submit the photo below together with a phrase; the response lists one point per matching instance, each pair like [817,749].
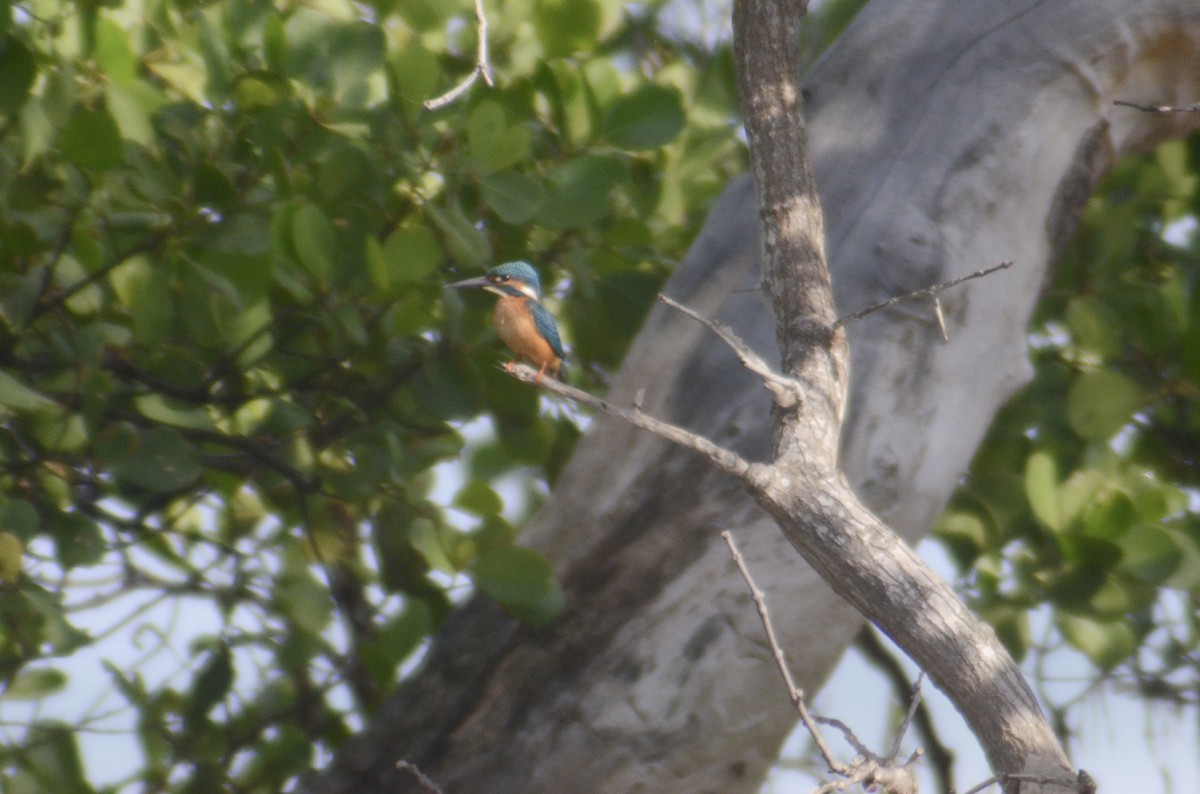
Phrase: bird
[520,319]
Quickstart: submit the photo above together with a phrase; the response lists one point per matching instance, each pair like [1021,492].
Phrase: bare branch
[794,692]
[482,66]
[787,391]
[1192,108]
[927,291]
[722,458]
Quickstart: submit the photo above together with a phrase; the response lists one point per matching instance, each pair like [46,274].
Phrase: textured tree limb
[859,556]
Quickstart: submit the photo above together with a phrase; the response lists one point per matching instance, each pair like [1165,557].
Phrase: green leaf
[162,462]
[1106,644]
[313,241]
[347,172]
[463,241]
[114,54]
[260,90]
[1078,493]
[578,189]
[493,144]
[12,553]
[513,575]
[1151,553]
[304,601]
[1102,402]
[1094,325]
[566,26]
[19,397]
[212,682]
[478,497]
[649,117]
[19,517]
[414,72]
[356,50]
[275,45]
[35,684]
[91,139]
[409,254]
[1041,489]
[964,534]
[77,540]
[19,70]
[159,409]
[50,762]
[514,197]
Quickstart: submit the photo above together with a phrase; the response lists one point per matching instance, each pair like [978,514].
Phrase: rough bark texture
[946,136]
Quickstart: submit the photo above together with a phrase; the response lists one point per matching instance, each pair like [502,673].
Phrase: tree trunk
[946,137]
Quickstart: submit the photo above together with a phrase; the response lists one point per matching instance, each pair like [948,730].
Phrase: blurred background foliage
[251,451]
[228,368]
[1082,504]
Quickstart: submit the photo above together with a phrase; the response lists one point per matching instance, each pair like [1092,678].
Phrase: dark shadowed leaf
[18,69]
[514,197]
[91,139]
[649,117]
[162,461]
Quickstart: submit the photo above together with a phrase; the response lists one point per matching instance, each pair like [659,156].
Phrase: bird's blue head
[516,274]
[513,279]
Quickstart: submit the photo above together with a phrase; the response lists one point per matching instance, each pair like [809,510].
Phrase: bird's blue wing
[546,326]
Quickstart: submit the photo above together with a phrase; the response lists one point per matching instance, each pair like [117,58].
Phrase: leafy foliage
[1085,494]
[230,370]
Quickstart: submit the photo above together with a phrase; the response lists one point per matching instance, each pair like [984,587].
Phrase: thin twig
[914,704]
[1192,108]
[850,737]
[941,318]
[930,291]
[787,391]
[482,67]
[722,458]
[420,776]
[794,692]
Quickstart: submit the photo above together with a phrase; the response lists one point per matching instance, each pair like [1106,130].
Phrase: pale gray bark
[946,136]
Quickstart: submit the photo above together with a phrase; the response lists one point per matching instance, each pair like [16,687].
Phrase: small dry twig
[482,66]
[1192,108]
[787,392]
[873,772]
[794,692]
[420,776]
[927,291]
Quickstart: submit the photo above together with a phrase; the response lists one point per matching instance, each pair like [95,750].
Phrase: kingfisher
[520,319]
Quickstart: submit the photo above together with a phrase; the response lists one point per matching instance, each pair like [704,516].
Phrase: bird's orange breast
[516,328]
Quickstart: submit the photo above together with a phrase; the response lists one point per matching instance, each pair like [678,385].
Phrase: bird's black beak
[481,281]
